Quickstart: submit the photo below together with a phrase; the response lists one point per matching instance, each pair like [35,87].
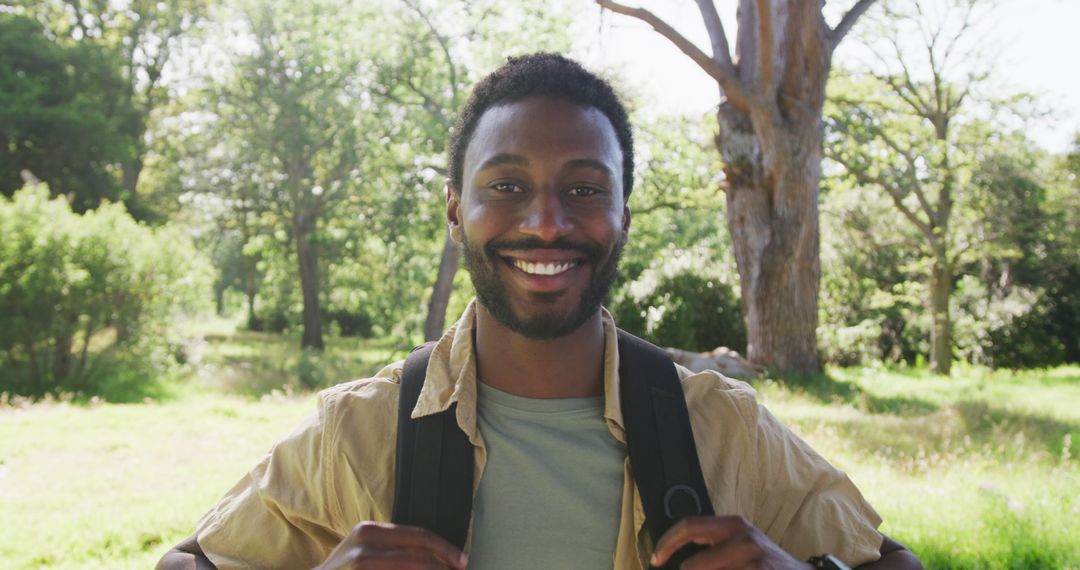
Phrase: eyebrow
[507,159]
[592,164]
[504,159]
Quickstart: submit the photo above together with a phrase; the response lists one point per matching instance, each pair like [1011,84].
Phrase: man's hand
[373,545]
[731,542]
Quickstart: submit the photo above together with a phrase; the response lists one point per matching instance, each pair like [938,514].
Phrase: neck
[570,366]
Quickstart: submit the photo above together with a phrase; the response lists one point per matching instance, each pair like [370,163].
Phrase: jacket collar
[451,376]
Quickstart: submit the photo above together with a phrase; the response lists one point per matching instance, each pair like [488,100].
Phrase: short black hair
[541,75]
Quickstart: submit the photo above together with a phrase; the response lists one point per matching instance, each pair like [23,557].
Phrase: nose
[546,217]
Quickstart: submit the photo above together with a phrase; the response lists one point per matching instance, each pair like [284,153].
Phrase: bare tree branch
[966,24]
[896,191]
[905,90]
[721,51]
[676,206]
[909,172]
[847,22]
[430,104]
[739,95]
[904,86]
[444,44]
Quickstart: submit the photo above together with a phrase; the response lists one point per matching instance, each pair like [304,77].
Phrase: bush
[85,296]
[355,323]
[682,300]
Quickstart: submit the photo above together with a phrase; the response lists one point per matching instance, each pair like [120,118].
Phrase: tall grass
[978,470]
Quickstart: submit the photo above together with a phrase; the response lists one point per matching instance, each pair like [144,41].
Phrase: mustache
[592,251]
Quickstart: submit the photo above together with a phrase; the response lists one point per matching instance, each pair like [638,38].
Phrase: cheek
[608,228]
[489,217]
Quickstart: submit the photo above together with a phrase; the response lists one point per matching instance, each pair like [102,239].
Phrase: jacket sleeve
[806,505]
[284,512]
[756,467]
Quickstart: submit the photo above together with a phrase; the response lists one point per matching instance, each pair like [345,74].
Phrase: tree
[770,137]
[144,36]
[58,119]
[71,284]
[295,113]
[904,134]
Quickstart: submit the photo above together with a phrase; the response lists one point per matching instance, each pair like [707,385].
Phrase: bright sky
[1040,46]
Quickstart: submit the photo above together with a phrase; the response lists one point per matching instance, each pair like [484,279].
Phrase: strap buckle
[685,489]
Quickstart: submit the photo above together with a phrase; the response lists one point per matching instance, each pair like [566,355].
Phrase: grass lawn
[975,471]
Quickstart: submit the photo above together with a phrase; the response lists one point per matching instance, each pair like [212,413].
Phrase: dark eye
[507,187]
[583,191]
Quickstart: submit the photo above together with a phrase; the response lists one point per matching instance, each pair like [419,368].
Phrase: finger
[740,551]
[371,558]
[699,530]
[391,536]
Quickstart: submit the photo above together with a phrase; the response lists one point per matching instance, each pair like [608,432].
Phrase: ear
[453,216]
[625,224]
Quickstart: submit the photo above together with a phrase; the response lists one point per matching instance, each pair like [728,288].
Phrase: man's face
[541,214]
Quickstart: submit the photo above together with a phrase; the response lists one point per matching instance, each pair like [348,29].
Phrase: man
[541,165]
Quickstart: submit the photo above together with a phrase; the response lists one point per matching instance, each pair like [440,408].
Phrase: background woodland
[210,209]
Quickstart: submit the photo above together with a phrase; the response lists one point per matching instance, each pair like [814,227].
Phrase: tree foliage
[911,130]
[142,38]
[88,299]
[59,119]
[1004,239]
[302,146]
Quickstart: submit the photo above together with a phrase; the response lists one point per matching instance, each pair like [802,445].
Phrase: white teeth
[543,268]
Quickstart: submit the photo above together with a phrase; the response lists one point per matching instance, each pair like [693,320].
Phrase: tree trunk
[941,330]
[249,291]
[62,359]
[309,287]
[440,292]
[219,299]
[771,140]
[131,172]
[772,214]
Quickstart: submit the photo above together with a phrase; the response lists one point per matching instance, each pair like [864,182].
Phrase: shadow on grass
[913,436]
[828,390]
[910,429]
[257,363]
[899,406]
[989,424]
[821,387]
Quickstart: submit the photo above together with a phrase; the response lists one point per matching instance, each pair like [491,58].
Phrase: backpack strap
[660,441]
[433,480]
[434,465]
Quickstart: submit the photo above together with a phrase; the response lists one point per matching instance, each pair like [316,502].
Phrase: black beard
[491,292]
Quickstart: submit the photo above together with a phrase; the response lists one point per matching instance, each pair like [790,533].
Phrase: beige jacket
[337,469]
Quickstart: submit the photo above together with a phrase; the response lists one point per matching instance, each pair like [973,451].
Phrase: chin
[544,325]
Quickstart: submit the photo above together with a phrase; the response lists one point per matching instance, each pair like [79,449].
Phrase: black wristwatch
[828,562]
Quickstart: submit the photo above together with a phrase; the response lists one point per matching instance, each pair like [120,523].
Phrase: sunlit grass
[979,470]
[109,486]
[226,358]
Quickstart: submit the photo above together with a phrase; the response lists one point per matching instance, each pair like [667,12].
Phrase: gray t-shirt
[551,490]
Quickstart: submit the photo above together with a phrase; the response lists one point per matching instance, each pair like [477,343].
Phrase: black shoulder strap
[660,441]
[434,465]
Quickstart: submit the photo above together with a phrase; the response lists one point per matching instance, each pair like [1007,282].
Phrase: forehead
[544,129]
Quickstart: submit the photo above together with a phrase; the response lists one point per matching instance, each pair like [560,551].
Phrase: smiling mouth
[545,268]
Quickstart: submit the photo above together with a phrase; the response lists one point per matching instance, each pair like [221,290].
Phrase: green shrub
[683,299]
[87,299]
